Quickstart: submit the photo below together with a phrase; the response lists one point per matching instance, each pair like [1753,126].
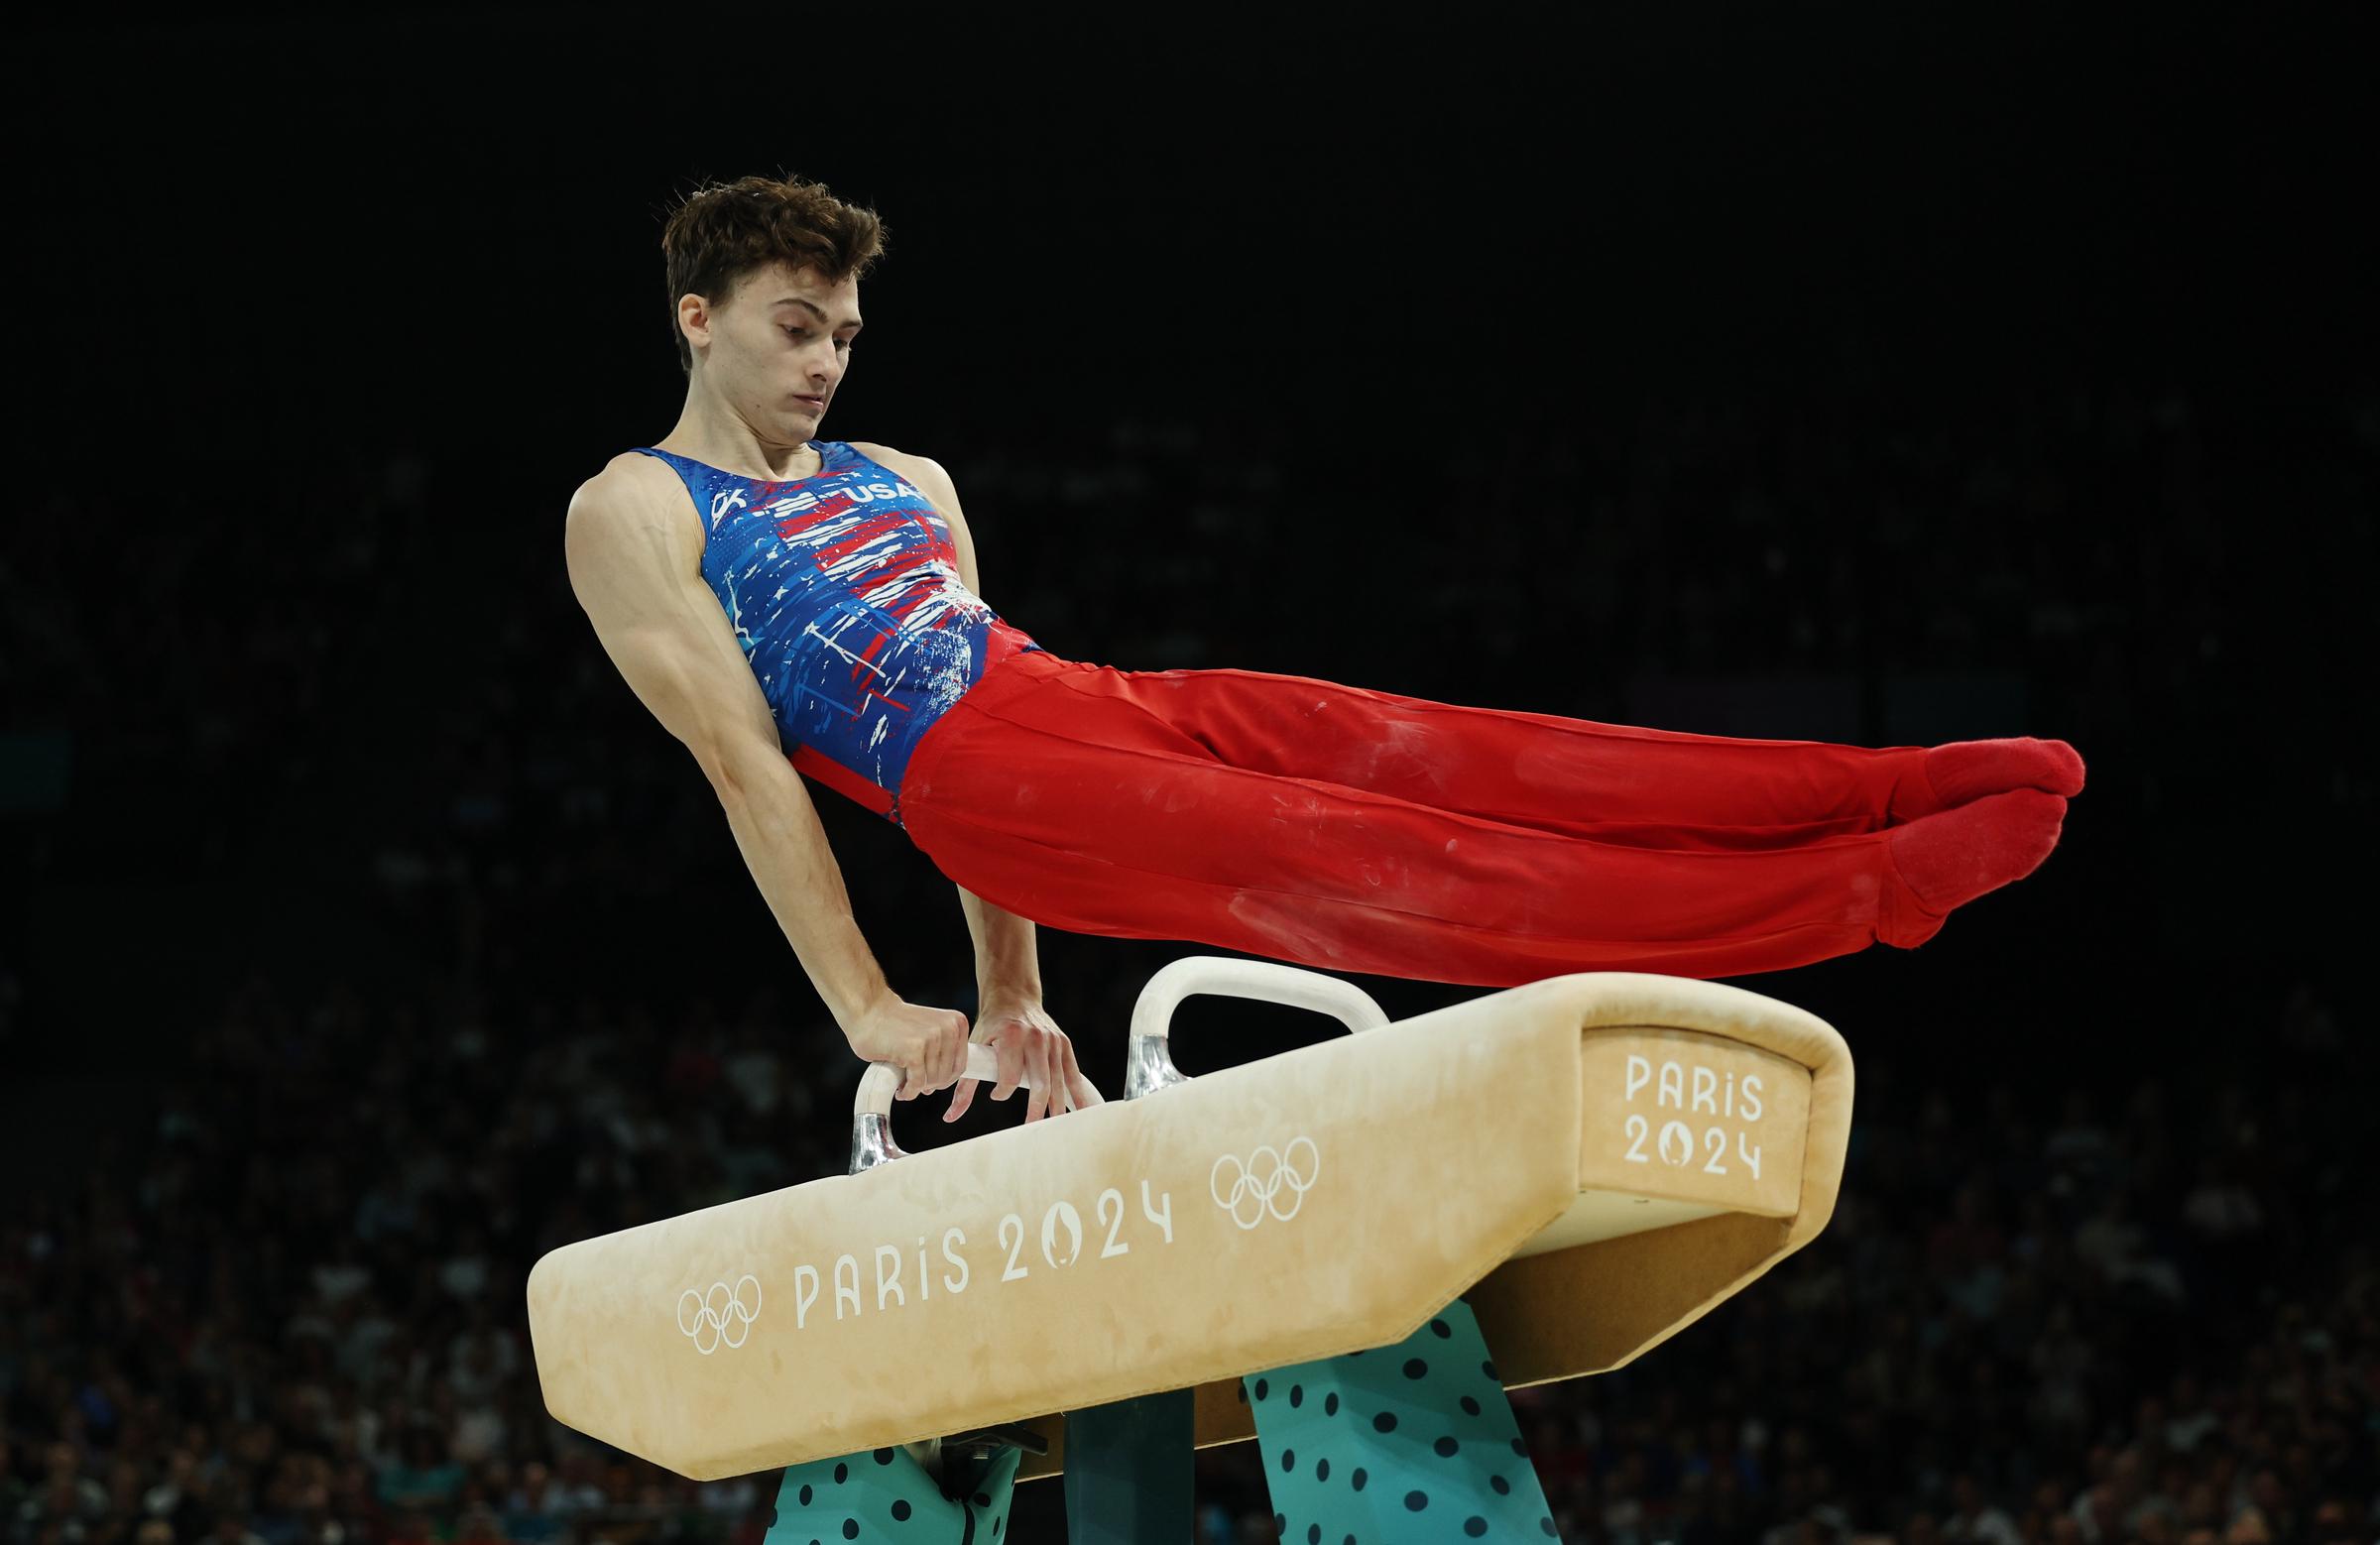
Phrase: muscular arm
[1007,949]
[635,564]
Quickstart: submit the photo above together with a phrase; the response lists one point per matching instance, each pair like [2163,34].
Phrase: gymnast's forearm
[1006,951]
[784,845]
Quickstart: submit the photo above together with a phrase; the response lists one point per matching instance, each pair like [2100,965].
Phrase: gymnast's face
[776,348]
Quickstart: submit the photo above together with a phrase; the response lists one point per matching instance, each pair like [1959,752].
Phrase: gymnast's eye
[797,332]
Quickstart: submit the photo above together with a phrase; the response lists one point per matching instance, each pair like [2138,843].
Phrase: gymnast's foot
[1947,860]
[1948,777]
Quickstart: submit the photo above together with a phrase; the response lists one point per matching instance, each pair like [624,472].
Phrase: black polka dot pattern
[1434,1436]
[885,1495]
[1426,1418]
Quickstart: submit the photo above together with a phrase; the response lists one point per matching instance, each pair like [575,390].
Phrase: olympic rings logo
[1259,1185]
[717,1313]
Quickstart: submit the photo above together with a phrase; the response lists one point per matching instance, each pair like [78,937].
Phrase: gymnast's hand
[929,1045]
[1030,1045]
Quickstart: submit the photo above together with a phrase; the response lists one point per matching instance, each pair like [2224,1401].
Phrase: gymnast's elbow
[742,764]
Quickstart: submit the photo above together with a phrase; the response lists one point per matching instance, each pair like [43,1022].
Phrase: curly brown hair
[724,231]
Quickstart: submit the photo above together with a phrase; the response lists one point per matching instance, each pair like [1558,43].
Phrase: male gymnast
[790,605]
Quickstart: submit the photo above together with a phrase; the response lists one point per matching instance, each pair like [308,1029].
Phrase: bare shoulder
[637,490]
[614,515]
[628,481]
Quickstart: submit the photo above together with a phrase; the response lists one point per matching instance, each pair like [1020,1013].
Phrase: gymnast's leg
[1613,782]
[1083,811]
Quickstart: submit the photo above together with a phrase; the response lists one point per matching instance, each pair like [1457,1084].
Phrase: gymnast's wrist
[855,1011]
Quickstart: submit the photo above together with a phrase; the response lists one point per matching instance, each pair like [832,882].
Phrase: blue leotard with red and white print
[843,589]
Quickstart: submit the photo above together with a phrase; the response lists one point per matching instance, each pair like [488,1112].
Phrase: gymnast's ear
[694,317]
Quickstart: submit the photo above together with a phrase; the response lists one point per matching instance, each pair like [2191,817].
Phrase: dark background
[1875,375]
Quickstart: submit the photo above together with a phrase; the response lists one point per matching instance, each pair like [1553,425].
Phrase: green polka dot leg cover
[1399,1446]
[887,1495]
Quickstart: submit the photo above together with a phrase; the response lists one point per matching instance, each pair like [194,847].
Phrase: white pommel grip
[1229,977]
[882,1082]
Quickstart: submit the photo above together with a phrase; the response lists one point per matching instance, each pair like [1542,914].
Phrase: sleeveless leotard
[844,591]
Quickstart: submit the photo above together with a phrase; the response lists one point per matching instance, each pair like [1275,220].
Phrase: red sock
[1964,770]
[1947,860]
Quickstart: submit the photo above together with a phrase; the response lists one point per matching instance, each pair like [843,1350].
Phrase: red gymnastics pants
[1353,830]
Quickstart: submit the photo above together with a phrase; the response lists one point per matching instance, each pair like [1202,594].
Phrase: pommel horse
[1348,1252]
